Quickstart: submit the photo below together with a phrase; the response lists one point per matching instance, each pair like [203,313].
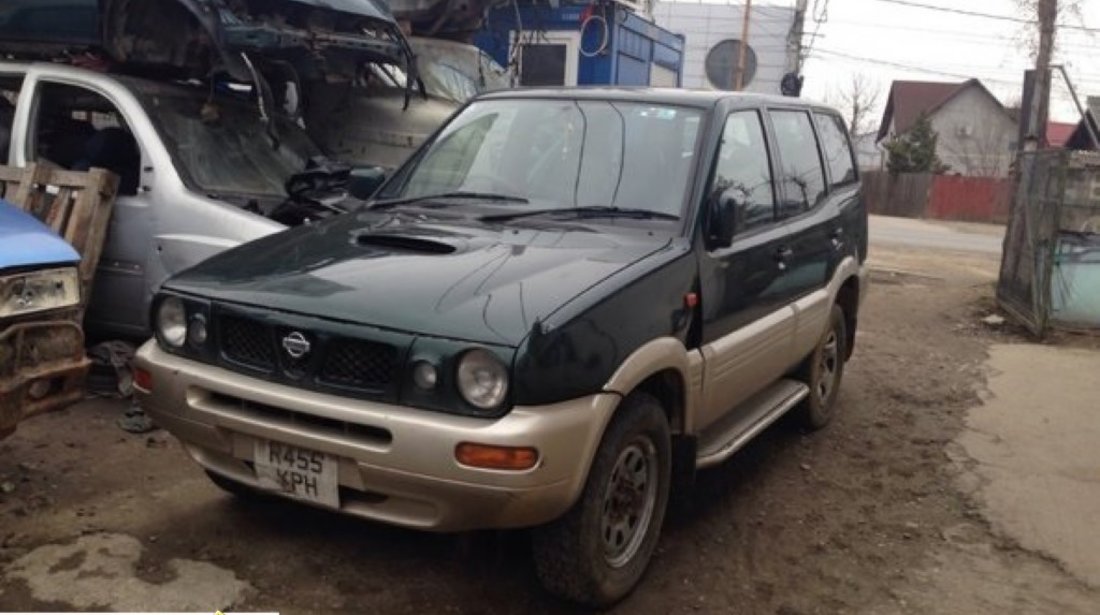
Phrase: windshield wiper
[588,211]
[460,194]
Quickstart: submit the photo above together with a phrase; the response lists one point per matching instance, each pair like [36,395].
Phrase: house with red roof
[1059,133]
[977,135]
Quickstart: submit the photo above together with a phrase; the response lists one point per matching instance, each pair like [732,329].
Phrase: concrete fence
[943,197]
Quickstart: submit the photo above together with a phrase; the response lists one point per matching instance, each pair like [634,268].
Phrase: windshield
[561,153]
[221,146]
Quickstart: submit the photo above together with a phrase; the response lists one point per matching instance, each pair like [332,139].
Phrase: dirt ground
[867,516]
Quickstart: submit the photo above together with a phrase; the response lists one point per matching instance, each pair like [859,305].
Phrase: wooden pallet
[76,205]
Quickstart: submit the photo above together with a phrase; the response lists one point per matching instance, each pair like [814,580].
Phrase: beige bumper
[397,464]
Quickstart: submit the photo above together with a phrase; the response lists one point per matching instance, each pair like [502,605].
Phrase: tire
[823,371]
[592,555]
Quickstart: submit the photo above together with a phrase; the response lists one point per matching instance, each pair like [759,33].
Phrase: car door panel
[748,327]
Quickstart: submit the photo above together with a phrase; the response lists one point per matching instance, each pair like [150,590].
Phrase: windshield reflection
[562,153]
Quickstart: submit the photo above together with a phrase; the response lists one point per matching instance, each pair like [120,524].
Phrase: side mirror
[721,220]
[363,182]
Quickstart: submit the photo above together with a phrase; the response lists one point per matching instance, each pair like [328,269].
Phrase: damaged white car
[201,108]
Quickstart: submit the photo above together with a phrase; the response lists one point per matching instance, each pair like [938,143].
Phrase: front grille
[331,360]
[358,364]
[247,342]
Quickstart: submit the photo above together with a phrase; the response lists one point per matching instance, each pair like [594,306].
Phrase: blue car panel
[26,242]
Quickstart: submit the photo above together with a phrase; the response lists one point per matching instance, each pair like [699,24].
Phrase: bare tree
[858,101]
[1068,11]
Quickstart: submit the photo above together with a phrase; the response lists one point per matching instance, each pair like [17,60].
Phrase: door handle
[782,255]
[836,238]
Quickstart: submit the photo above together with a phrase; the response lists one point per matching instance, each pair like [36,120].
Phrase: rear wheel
[600,549]
[822,372]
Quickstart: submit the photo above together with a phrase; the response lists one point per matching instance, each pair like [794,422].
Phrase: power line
[1061,95]
[968,13]
[956,35]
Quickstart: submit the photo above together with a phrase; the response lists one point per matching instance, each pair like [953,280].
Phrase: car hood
[452,278]
[26,242]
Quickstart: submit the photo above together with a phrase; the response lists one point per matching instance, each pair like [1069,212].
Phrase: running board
[731,433]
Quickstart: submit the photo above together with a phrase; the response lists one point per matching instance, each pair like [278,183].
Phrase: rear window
[838,152]
[801,175]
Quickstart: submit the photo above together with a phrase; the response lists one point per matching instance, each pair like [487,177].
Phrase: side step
[729,434]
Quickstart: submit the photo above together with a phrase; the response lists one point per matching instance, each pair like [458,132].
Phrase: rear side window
[838,153]
[801,175]
[743,172]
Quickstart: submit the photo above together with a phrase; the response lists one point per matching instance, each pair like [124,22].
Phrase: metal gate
[1056,210]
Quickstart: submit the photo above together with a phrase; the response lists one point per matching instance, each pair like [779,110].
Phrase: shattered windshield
[562,153]
[221,144]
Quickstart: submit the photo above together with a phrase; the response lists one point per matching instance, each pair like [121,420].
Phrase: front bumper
[397,464]
[46,355]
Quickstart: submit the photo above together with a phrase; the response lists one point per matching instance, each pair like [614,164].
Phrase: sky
[884,40]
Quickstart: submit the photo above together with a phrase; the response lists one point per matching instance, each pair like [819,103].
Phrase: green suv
[563,300]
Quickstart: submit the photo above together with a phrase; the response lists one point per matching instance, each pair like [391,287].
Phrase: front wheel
[822,372]
[598,551]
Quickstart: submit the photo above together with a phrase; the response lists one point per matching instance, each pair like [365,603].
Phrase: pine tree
[915,151]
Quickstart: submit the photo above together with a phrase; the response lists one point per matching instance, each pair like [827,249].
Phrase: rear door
[818,182]
[747,324]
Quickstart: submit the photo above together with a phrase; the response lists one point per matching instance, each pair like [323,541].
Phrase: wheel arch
[848,300]
[664,369]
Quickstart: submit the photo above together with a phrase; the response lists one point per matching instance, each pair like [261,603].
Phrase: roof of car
[666,96]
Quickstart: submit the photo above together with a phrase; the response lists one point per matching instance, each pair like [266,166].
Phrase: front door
[747,323]
[78,128]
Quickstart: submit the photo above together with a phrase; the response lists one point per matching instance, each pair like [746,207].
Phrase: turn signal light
[143,379]
[496,457]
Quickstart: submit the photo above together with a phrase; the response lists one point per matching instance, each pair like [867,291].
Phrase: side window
[9,96]
[743,172]
[838,152]
[77,129]
[802,178]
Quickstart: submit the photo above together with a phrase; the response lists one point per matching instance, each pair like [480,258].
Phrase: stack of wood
[76,205]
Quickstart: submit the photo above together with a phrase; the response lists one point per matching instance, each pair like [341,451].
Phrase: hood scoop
[404,243]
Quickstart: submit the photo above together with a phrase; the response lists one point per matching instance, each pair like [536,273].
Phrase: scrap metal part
[42,368]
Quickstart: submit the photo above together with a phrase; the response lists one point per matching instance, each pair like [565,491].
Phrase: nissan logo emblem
[296,345]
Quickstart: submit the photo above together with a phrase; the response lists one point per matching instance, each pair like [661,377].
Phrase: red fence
[943,197]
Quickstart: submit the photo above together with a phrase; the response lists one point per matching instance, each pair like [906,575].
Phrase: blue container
[630,51]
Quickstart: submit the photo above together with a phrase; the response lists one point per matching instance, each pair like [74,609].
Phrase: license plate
[298,472]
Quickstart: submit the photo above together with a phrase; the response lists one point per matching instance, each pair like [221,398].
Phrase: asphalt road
[964,237]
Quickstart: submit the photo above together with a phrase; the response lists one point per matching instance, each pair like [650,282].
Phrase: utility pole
[1039,110]
[794,37]
[743,51]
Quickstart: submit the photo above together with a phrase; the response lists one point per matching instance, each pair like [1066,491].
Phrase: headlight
[172,322]
[38,291]
[482,379]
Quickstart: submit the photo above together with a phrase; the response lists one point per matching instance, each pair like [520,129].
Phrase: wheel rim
[828,367]
[629,502]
